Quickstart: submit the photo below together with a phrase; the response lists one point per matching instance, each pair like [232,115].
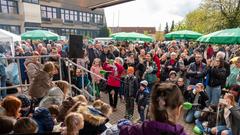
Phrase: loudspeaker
[76,46]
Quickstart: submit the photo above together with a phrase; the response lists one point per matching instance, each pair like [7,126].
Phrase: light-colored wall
[32,13]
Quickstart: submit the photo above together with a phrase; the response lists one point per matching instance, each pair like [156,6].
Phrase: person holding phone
[216,74]
[195,94]
[229,117]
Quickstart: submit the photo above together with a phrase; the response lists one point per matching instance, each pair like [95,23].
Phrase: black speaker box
[76,46]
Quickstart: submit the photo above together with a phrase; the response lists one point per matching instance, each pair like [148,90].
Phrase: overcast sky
[149,12]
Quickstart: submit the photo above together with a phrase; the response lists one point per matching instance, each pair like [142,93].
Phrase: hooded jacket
[94,120]
[152,128]
[40,85]
[44,120]
[55,96]
[63,109]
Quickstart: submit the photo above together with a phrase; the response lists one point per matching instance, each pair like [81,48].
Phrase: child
[96,68]
[25,125]
[130,87]
[86,82]
[74,122]
[172,77]
[165,111]
[142,98]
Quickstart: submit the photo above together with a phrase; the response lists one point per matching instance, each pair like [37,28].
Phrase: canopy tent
[183,34]
[40,35]
[227,36]
[132,36]
[6,36]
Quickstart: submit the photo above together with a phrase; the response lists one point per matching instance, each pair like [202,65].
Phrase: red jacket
[114,80]
[157,61]
[210,52]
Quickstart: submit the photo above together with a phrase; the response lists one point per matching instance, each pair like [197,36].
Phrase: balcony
[46,19]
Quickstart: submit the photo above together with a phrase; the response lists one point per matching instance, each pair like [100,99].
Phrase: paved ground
[119,114]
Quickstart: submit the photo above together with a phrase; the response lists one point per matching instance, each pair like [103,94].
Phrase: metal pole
[60,67]
[69,76]
[20,75]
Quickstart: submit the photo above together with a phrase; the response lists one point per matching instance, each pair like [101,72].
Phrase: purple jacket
[152,128]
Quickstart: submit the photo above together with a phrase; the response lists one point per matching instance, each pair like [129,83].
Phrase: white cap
[144,82]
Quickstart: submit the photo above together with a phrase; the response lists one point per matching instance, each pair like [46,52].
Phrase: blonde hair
[230,97]
[97,60]
[80,98]
[63,85]
[74,122]
[103,107]
[49,67]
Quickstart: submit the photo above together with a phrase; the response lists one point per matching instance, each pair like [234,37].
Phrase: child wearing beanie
[130,88]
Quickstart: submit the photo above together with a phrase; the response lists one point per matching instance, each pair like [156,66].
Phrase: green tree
[229,10]
[104,32]
[172,27]
[166,30]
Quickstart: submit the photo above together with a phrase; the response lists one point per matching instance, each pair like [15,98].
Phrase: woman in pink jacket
[115,70]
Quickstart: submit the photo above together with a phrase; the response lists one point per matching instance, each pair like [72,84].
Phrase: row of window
[9,6]
[32,1]
[67,31]
[12,28]
[71,15]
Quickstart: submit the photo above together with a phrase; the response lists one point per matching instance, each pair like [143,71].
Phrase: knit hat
[130,70]
[25,100]
[173,72]
[144,82]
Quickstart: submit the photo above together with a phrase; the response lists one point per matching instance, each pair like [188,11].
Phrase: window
[8,6]
[32,1]
[91,17]
[69,15]
[80,16]
[84,15]
[12,28]
[48,12]
[88,17]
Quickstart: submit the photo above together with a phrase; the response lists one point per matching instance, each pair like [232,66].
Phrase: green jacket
[232,78]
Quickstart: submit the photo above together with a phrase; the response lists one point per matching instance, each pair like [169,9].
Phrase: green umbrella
[40,35]
[183,34]
[132,36]
[227,36]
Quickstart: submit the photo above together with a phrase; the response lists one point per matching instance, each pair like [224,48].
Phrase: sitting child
[74,122]
[86,82]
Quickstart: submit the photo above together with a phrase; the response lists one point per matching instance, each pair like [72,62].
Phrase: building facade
[63,17]
[143,30]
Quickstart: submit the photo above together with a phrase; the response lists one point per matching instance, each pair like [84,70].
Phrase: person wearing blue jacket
[142,98]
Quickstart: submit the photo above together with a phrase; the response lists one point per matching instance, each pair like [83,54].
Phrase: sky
[149,13]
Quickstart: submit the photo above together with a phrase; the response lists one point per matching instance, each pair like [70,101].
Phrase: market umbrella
[132,36]
[227,36]
[183,34]
[40,35]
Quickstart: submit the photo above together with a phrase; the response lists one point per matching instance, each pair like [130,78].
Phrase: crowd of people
[156,78]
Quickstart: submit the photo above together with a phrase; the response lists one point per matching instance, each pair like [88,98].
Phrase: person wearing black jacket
[130,87]
[221,55]
[197,96]
[215,77]
[106,54]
